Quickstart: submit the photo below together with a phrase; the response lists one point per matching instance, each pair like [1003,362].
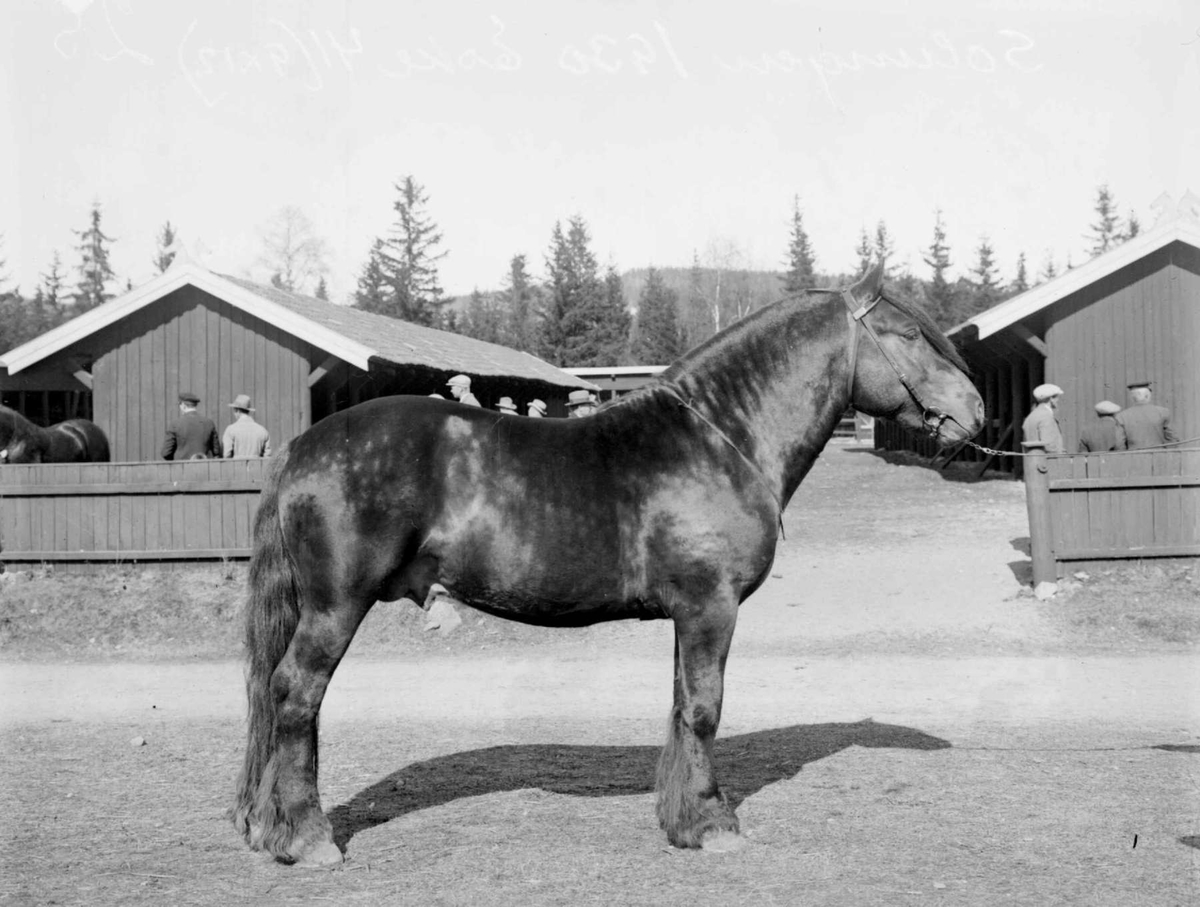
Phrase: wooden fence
[128,512]
[1111,506]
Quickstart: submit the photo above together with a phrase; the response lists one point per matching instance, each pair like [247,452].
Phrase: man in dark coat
[1143,424]
[191,436]
[1100,434]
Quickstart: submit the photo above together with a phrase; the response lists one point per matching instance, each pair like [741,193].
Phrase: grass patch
[122,611]
[1144,602]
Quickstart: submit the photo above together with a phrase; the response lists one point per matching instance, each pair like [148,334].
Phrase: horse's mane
[732,334]
[937,339]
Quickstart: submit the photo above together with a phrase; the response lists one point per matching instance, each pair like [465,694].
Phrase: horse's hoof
[324,855]
[722,840]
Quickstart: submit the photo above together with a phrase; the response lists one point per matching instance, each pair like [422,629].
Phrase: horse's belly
[536,608]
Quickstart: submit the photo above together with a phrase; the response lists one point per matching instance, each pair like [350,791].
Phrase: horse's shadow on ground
[746,762]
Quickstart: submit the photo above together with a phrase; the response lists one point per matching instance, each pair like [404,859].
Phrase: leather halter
[933,418]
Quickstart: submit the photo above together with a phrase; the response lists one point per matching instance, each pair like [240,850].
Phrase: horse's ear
[869,285]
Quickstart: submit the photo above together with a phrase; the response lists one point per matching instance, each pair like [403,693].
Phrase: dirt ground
[903,722]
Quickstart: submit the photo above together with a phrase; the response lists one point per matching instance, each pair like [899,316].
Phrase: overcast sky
[669,127]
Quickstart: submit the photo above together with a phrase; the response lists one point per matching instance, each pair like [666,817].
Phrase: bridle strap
[933,418]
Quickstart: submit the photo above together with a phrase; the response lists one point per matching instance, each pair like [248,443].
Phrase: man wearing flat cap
[460,390]
[245,438]
[191,436]
[1143,424]
[1100,433]
[1041,425]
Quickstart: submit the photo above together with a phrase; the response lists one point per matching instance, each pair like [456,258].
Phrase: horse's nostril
[979,412]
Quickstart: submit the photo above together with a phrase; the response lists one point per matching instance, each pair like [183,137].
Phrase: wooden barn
[617,380]
[124,363]
[1130,314]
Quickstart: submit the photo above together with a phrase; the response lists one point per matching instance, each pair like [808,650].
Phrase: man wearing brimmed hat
[1041,425]
[537,409]
[1143,424]
[460,389]
[506,405]
[191,436]
[1100,433]
[579,404]
[245,437]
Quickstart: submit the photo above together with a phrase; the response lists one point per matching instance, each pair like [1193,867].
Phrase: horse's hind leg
[691,807]
[296,829]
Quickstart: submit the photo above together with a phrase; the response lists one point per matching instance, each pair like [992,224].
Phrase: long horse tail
[272,614]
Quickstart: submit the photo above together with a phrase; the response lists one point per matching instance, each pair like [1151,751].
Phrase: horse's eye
[912,335]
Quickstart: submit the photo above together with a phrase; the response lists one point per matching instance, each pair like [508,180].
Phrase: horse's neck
[776,386]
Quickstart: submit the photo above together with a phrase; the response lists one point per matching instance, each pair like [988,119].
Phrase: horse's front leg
[691,808]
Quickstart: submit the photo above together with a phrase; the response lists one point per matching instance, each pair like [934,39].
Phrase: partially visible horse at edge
[72,441]
[676,491]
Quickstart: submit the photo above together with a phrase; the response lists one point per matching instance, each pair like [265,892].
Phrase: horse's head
[15,437]
[906,370]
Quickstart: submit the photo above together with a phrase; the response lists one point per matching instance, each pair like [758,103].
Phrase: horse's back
[78,441]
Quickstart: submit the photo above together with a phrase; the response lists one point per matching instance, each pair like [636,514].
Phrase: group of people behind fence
[1142,425]
[193,436]
[579,403]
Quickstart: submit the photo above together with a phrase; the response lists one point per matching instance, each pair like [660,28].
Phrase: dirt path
[901,724]
[984,700]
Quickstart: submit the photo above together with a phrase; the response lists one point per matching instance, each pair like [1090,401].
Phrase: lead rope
[670,389]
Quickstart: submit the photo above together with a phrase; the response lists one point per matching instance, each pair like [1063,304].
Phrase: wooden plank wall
[124,512]
[1125,504]
[1142,323]
[191,341]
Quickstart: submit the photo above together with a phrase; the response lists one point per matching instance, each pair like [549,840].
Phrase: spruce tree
[657,340]
[575,293]
[483,318]
[985,287]
[409,257]
[800,275]
[607,341]
[941,292]
[884,248]
[165,254]
[52,284]
[697,326]
[14,328]
[94,269]
[1021,282]
[519,301]
[371,293]
[865,251]
[322,290]
[1104,234]
[1132,226]
[1049,271]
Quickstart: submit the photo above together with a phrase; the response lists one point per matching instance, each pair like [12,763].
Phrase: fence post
[1037,502]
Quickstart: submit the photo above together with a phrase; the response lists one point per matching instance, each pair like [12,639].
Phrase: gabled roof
[347,333]
[1179,225]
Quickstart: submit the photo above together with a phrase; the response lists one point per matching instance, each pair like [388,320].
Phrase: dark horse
[675,492]
[73,441]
